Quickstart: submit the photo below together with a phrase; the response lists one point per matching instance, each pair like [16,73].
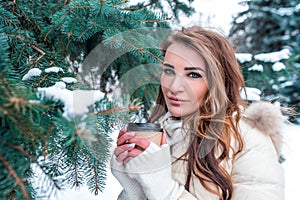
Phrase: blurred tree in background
[267,26]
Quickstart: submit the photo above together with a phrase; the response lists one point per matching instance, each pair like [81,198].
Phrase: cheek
[164,90]
[200,93]
[165,80]
[165,84]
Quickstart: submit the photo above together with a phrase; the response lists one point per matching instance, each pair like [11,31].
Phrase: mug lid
[144,127]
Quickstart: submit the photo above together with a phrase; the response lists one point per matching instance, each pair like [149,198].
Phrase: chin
[180,113]
[176,113]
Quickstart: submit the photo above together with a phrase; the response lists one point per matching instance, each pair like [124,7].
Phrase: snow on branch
[256,67]
[273,56]
[54,69]
[250,94]
[69,80]
[264,57]
[31,73]
[278,66]
[243,57]
[76,103]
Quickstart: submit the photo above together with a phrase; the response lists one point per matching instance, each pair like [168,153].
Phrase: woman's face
[183,80]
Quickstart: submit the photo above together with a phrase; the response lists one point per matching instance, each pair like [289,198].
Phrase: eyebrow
[186,68]
[169,65]
[194,68]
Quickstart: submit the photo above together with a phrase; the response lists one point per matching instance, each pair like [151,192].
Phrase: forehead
[179,53]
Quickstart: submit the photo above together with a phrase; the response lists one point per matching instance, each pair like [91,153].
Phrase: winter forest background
[73,72]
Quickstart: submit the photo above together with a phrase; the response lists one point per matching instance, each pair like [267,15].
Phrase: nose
[176,84]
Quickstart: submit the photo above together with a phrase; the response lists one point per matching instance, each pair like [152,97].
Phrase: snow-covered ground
[291,151]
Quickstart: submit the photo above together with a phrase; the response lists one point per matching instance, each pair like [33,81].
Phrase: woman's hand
[132,189]
[129,146]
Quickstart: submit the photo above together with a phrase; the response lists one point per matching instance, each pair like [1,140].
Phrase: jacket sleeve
[184,196]
[256,172]
[120,196]
[153,170]
[187,196]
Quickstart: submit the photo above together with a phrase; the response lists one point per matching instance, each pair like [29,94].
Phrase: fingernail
[130,133]
[131,145]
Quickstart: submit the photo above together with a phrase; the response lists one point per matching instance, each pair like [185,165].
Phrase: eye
[169,71]
[194,75]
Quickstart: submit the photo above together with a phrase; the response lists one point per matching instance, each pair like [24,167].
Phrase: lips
[175,100]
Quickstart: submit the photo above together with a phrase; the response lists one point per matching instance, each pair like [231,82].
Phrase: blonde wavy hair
[216,123]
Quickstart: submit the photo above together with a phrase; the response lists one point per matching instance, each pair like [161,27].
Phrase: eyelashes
[194,75]
[169,71]
[191,74]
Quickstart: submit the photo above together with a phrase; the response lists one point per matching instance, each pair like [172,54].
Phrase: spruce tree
[262,28]
[55,114]
[266,26]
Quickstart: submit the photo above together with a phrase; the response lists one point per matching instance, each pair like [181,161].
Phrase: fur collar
[268,119]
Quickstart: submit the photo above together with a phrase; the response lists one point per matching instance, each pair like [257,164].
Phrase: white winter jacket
[256,172]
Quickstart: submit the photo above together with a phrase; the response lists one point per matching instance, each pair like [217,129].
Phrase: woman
[213,148]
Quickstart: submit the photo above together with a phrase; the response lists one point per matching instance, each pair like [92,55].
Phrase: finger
[132,154]
[163,139]
[140,142]
[122,132]
[122,156]
[124,138]
[126,160]
[122,148]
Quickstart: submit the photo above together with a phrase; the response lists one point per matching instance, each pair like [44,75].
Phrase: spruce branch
[133,46]
[21,52]
[101,5]
[83,32]
[18,181]
[70,11]
[25,129]
[134,8]
[96,180]
[69,42]
[8,19]
[38,50]
[4,111]
[19,105]
[81,7]
[66,2]
[120,3]
[45,153]
[10,3]
[75,165]
[86,157]
[17,37]
[154,56]
[48,32]
[155,20]
[32,158]
[18,102]
[7,85]
[114,110]
[96,24]
[94,169]
[45,78]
